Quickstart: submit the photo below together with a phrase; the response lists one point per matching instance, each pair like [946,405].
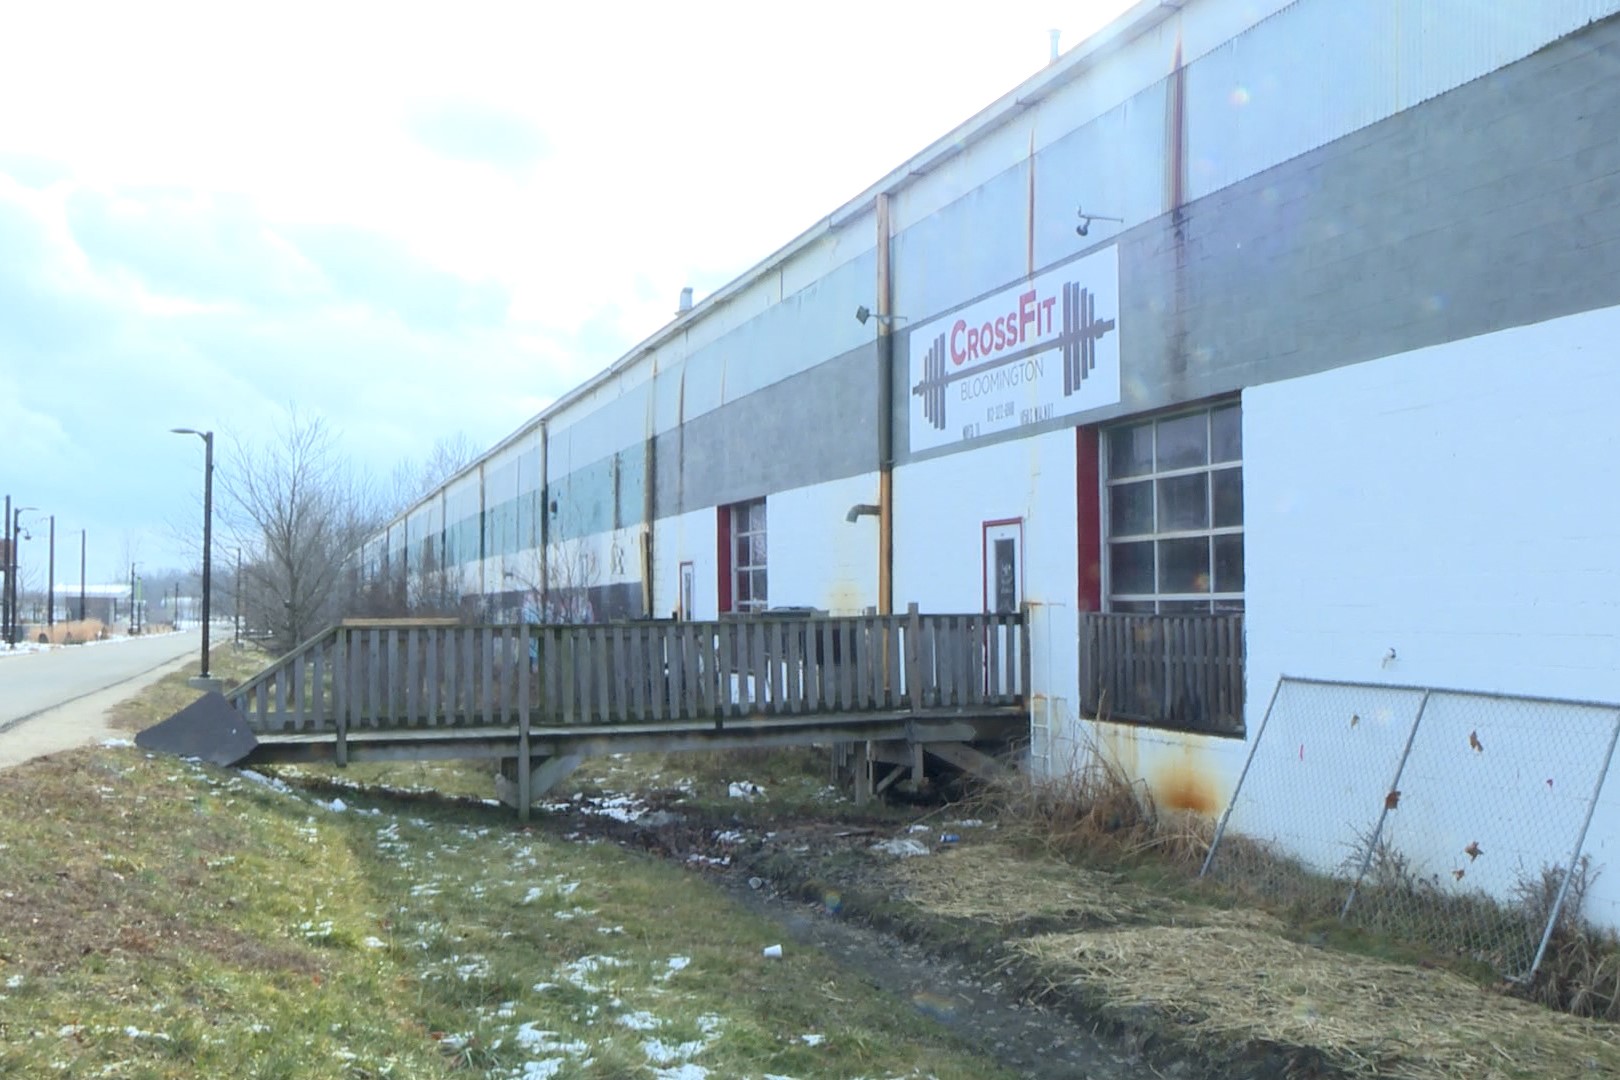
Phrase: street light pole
[208,530]
[16,565]
[5,586]
[50,580]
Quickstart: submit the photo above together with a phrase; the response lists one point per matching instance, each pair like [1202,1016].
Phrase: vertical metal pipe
[885,404]
[543,560]
[1378,830]
[1254,748]
[208,539]
[1574,855]
[50,580]
[5,586]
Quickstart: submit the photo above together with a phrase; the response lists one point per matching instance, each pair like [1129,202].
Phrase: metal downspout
[885,343]
[543,567]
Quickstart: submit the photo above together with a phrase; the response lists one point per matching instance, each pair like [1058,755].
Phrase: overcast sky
[412,221]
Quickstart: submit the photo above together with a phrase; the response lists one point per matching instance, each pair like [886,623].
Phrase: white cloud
[417,219]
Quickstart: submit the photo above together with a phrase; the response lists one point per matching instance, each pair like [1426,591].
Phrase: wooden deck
[418,689]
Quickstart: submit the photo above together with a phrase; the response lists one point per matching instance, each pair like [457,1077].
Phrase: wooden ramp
[552,695]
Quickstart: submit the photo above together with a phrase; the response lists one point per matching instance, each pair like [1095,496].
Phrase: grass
[162,919]
[170,694]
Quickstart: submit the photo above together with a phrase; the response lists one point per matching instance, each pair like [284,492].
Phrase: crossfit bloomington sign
[1043,348]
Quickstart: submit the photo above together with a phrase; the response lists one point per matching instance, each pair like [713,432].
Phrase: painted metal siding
[1318,71]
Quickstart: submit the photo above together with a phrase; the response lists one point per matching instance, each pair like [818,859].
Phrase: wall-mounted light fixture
[863,313]
[1084,228]
[860,510]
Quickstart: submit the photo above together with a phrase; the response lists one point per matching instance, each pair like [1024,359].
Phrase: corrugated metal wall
[1315,72]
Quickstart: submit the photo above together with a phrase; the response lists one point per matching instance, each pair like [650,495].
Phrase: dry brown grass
[992,882]
[75,632]
[1580,972]
[1094,810]
[170,694]
[1235,986]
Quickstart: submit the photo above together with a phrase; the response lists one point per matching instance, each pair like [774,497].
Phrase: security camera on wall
[1084,228]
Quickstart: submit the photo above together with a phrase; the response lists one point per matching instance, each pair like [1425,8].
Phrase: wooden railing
[406,673]
[1177,671]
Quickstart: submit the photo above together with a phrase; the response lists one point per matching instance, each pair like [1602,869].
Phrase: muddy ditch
[819,881]
[1061,971]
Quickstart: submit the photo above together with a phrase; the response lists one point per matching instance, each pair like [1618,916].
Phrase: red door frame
[1088,518]
[984,556]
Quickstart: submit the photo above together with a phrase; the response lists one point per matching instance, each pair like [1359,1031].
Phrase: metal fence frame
[1428,693]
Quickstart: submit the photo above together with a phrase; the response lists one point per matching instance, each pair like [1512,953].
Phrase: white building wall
[817,558]
[689,537]
[1453,504]
[941,507]
[814,556]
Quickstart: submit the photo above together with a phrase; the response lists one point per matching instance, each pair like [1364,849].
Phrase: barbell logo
[1077,342]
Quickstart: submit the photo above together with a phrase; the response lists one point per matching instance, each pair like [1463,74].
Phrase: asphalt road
[34,683]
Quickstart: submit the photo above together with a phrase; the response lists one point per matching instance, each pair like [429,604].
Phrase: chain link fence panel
[1453,819]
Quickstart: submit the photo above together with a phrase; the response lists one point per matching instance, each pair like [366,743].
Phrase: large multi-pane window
[1175,513]
[748,584]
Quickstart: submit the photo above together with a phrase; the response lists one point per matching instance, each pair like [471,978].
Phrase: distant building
[108,603]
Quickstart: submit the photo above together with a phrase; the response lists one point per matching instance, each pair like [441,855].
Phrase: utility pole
[208,537]
[81,575]
[133,629]
[16,536]
[5,586]
[50,580]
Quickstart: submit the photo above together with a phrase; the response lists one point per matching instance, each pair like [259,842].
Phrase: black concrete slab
[209,729]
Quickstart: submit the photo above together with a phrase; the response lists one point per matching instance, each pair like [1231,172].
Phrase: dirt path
[78,723]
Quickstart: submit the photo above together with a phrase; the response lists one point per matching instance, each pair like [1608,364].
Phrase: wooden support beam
[863,775]
[539,780]
[891,752]
[894,774]
[968,759]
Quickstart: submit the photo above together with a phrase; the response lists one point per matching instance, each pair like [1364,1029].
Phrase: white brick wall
[1457,504]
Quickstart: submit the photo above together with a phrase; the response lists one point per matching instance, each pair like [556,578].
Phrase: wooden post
[914,676]
[525,764]
[340,745]
[863,773]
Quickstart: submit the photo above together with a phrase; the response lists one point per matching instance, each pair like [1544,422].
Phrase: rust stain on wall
[1183,786]
[1170,763]
[1116,743]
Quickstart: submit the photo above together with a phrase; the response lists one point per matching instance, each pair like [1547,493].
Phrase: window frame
[749,519]
[1224,602]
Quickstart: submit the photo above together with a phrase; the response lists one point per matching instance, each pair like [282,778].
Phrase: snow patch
[660,1052]
[272,782]
[536,1041]
[901,848]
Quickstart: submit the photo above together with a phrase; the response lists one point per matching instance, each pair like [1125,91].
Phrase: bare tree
[411,479]
[558,584]
[293,503]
